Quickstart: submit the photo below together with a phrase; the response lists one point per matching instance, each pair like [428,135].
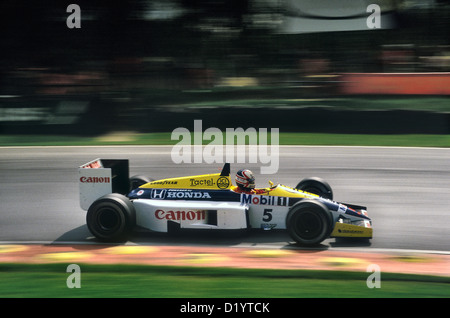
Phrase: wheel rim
[108,219]
[308,225]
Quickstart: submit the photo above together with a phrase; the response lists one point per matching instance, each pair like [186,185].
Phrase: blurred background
[155,65]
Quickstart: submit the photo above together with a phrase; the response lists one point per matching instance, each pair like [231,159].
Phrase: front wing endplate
[351,230]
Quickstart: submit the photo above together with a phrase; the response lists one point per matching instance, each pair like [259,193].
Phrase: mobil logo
[263,200]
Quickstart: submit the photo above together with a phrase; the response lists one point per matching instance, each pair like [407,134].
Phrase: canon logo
[180,215]
[95,180]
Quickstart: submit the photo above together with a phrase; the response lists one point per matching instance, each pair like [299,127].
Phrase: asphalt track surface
[406,190]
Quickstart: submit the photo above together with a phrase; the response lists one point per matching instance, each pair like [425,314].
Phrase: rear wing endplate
[102,176]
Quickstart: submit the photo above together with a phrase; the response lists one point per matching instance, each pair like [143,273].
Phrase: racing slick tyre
[137,181]
[111,217]
[316,186]
[309,222]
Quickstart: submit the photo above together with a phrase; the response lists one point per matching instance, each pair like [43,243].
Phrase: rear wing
[102,176]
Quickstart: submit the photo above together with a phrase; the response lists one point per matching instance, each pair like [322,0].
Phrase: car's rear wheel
[316,186]
[309,222]
[111,217]
[137,181]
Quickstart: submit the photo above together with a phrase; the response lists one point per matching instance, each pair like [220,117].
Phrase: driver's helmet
[245,179]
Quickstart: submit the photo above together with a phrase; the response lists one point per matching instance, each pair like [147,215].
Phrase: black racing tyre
[309,222]
[316,186]
[137,181]
[111,217]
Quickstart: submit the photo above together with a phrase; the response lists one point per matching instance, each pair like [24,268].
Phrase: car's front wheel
[111,217]
[309,222]
[316,186]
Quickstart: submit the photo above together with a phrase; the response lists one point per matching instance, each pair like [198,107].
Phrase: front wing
[351,230]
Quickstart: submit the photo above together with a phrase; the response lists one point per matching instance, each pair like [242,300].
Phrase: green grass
[407,140]
[417,103]
[135,281]
[284,139]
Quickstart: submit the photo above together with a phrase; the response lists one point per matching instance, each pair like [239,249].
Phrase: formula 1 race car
[116,203]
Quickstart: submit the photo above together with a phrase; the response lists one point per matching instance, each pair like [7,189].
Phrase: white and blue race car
[116,204]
